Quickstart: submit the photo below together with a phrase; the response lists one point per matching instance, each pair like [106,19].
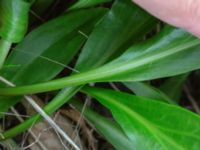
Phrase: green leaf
[111,18]
[116,24]
[148,91]
[124,22]
[87,3]
[151,124]
[109,129]
[156,58]
[4,50]
[41,47]
[37,58]
[159,57]
[14,19]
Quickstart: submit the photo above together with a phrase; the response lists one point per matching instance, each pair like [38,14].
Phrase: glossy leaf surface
[36,60]
[169,127]
[14,19]
[33,51]
[111,18]
[156,58]
[117,23]
[87,3]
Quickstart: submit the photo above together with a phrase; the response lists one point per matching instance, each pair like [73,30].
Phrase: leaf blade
[14,19]
[141,120]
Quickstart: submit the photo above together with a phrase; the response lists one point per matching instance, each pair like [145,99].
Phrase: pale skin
[180,13]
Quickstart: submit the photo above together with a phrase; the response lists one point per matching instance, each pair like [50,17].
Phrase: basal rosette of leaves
[101,41]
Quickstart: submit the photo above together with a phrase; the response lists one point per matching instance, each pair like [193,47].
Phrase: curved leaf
[37,59]
[41,47]
[14,19]
[143,20]
[156,58]
[125,22]
[151,124]
[87,3]
[109,129]
[106,20]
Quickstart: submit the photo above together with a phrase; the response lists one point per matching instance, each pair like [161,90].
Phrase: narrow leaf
[87,3]
[37,61]
[159,57]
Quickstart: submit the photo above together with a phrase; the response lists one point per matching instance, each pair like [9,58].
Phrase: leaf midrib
[177,132]
[148,125]
[118,68]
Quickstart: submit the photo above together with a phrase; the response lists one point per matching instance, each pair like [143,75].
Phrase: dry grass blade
[44,115]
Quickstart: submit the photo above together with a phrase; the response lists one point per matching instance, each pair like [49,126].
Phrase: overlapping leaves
[146,124]
[151,124]
[37,59]
[171,52]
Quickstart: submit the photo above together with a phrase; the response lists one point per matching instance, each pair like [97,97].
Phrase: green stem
[74,80]
[4,49]
[109,72]
[63,97]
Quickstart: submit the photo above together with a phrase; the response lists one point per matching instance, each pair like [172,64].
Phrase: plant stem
[63,97]
[4,49]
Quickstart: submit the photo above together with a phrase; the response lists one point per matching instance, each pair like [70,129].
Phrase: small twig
[32,134]
[114,86]
[82,33]
[76,131]
[44,115]
[192,100]
[37,16]
[48,59]
[13,114]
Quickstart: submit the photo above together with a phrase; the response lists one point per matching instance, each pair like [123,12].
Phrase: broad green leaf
[151,124]
[111,18]
[39,55]
[116,24]
[174,86]
[87,3]
[109,129]
[156,58]
[14,19]
[41,47]
[148,91]
[124,22]
[159,57]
